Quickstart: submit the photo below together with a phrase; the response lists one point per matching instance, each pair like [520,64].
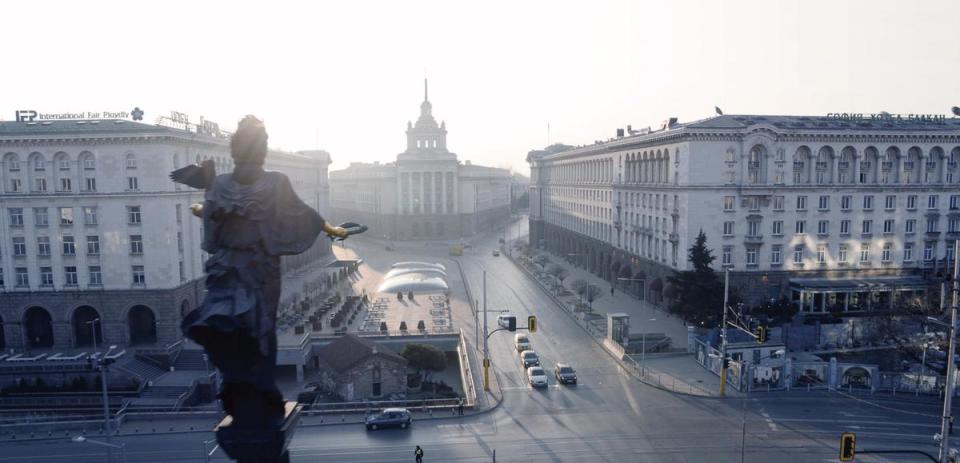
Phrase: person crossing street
[419,454]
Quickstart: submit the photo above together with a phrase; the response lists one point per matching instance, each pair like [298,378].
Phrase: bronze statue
[251,217]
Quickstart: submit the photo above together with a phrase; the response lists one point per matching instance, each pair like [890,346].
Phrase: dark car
[529,358]
[390,418]
[565,374]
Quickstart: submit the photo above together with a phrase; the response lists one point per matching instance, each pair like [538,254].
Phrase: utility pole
[723,335]
[951,366]
[486,351]
[103,362]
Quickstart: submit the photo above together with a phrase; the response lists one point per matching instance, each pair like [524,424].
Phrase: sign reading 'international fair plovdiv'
[29,115]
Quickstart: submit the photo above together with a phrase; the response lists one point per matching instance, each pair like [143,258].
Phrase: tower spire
[425,89]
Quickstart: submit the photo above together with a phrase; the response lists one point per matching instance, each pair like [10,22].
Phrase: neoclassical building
[426,194]
[91,227]
[842,213]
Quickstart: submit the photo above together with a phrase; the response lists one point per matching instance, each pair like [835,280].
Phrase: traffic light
[761,334]
[532,323]
[512,323]
[848,446]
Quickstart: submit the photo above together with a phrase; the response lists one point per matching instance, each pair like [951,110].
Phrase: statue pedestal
[265,445]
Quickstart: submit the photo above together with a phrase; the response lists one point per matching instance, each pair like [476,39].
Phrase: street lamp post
[643,350]
[951,364]
[102,363]
[743,401]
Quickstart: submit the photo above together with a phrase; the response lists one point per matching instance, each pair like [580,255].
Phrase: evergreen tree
[699,292]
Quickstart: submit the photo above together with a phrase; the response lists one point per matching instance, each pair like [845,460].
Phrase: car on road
[503,319]
[537,376]
[565,374]
[521,342]
[529,359]
[389,418]
[496,253]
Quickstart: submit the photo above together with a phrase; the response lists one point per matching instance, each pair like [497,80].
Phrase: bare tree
[591,293]
[558,272]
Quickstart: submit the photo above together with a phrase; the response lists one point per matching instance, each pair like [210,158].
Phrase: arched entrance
[143,325]
[84,327]
[856,377]
[38,326]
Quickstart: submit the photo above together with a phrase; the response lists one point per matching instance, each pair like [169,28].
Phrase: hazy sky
[347,76]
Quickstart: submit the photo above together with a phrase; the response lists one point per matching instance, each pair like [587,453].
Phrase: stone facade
[426,194]
[358,382]
[92,227]
[778,197]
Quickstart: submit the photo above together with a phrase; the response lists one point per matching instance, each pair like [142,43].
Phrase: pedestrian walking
[460,410]
[419,454]
[951,425]
[611,290]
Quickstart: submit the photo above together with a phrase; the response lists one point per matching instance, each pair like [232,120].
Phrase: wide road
[608,417]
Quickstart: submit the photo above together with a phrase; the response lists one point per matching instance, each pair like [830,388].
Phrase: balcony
[886,165]
[754,165]
[798,165]
[908,165]
[674,237]
[844,164]
[821,166]
[753,239]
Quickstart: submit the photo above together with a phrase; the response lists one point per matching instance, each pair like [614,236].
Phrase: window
[70,276]
[778,203]
[753,228]
[180,241]
[910,226]
[777,227]
[801,203]
[19,246]
[864,253]
[845,202]
[136,244]
[46,276]
[890,202]
[929,250]
[138,276]
[798,255]
[69,246]
[932,201]
[16,216]
[912,202]
[728,203]
[89,163]
[16,186]
[15,165]
[823,227]
[66,216]
[66,184]
[2,284]
[727,256]
[950,250]
[93,245]
[728,228]
[953,225]
[954,201]
[43,246]
[90,215]
[131,161]
[90,184]
[824,203]
[41,218]
[868,202]
[908,252]
[40,184]
[133,183]
[133,215]
[23,278]
[867,227]
[39,164]
[751,256]
[933,224]
[95,277]
[821,253]
[179,214]
[775,254]
[801,227]
[842,254]
[885,253]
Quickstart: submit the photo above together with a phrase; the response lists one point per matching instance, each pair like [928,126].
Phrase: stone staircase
[144,370]
[190,360]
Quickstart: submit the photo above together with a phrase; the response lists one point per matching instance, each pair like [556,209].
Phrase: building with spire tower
[427,193]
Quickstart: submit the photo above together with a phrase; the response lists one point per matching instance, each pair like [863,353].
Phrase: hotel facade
[835,213]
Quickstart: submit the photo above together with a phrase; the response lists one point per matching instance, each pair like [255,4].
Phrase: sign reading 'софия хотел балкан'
[887,117]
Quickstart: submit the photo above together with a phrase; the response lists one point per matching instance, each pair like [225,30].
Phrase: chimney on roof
[619,133]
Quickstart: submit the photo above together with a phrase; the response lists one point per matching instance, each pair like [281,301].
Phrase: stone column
[900,169]
[834,171]
[420,193]
[443,194]
[943,169]
[855,168]
[923,168]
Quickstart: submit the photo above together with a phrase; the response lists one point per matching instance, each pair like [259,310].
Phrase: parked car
[529,359]
[565,374]
[390,417]
[537,377]
[496,253]
[521,342]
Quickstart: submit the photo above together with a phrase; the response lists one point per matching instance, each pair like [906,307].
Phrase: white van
[521,342]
